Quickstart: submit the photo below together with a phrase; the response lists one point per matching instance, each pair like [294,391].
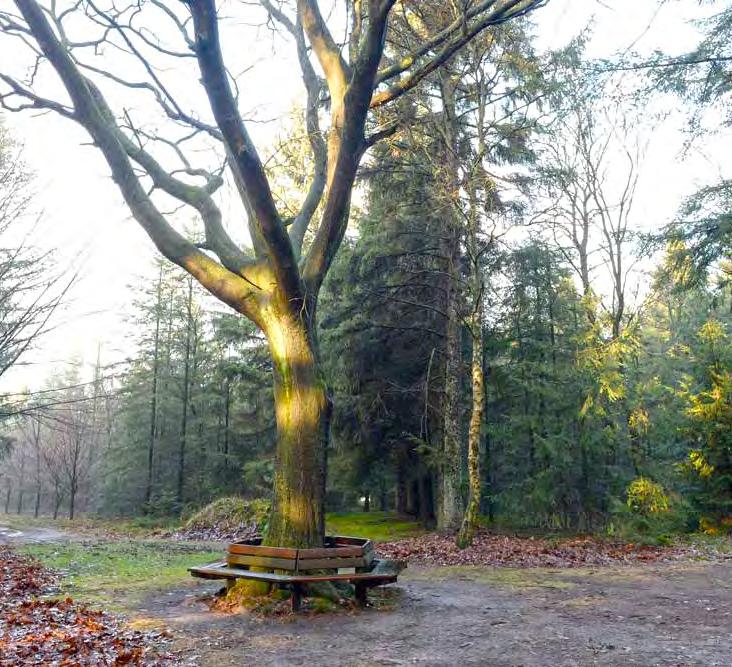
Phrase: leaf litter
[39,630]
[489,549]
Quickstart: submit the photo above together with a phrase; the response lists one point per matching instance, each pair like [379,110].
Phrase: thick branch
[226,286]
[326,50]
[313,87]
[346,149]
[245,159]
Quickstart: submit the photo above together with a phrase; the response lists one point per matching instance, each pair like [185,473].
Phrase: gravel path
[11,536]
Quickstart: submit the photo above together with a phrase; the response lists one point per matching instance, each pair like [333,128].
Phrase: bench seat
[381,572]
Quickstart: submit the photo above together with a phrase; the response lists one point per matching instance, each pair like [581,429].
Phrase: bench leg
[230,583]
[361,594]
[296,598]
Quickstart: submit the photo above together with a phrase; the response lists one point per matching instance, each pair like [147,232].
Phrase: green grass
[120,574]
[378,526]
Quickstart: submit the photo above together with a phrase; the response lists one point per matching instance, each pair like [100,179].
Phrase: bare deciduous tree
[591,168]
[276,285]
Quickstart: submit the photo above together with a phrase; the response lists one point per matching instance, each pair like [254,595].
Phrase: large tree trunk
[302,410]
[450,506]
[450,509]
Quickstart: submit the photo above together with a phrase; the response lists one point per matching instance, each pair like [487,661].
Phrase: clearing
[665,614]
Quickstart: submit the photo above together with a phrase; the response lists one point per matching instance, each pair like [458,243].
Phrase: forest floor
[661,613]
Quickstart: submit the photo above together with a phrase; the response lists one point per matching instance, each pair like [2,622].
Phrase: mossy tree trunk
[450,506]
[470,519]
[302,410]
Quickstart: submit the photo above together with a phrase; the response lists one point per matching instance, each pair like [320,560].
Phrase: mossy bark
[302,409]
[470,519]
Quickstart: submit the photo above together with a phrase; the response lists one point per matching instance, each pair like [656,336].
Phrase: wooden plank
[385,572]
[373,579]
[330,552]
[254,550]
[235,573]
[328,563]
[212,571]
[262,561]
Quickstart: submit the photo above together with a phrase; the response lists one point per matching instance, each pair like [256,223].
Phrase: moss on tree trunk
[302,409]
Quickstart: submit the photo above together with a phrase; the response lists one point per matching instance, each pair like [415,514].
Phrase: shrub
[230,514]
[646,498]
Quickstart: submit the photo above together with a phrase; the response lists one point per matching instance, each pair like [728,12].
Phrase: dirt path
[33,535]
[670,615]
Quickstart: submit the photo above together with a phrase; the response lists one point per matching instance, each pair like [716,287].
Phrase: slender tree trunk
[37,507]
[184,413]
[425,497]
[383,498]
[451,503]
[72,502]
[302,411]
[57,498]
[402,481]
[7,499]
[470,520]
[19,507]
[227,410]
[36,431]
[475,326]
[450,506]
[154,396]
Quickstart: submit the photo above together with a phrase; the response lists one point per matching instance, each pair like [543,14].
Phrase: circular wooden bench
[349,559]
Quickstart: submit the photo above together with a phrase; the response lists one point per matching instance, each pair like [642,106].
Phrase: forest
[468,301]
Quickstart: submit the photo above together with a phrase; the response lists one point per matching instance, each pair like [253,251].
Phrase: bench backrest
[339,552]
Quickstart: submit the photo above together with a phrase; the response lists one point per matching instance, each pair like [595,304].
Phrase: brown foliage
[36,631]
[501,550]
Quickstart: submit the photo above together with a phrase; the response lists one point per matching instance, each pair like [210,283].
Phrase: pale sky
[85,220]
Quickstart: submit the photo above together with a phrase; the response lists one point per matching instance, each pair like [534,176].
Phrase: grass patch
[377,526]
[120,574]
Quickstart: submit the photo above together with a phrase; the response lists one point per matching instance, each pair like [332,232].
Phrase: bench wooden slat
[383,572]
[262,561]
[325,563]
[329,552]
[255,550]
